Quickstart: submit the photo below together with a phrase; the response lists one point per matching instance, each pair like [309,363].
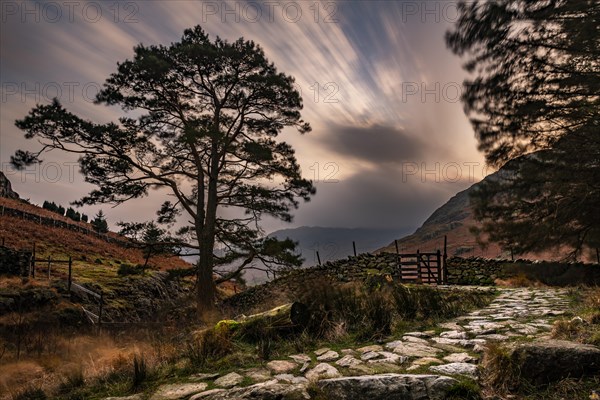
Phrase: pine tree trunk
[205,284]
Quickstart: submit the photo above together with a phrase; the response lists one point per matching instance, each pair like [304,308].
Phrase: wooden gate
[427,268]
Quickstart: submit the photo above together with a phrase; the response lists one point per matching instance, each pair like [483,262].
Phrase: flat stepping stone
[138,396]
[459,358]
[416,350]
[370,355]
[388,358]
[178,391]
[453,326]
[367,349]
[393,345]
[281,366]
[322,371]
[458,368]
[258,374]
[328,356]
[454,335]
[348,361]
[230,380]
[414,339]
[418,334]
[321,351]
[300,358]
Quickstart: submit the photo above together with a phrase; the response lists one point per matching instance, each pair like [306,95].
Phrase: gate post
[440,271]
[419,267]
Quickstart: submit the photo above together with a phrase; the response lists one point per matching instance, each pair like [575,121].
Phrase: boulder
[548,361]
[387,386]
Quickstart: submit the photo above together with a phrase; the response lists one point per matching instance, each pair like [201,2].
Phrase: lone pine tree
[209,113]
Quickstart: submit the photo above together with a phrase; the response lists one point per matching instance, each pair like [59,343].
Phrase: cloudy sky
[390,142]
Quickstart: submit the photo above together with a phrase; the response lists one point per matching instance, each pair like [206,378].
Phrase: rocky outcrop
[543,362]
[386,386]
[6,188]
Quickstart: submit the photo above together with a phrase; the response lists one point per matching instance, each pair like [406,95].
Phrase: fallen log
[289,315]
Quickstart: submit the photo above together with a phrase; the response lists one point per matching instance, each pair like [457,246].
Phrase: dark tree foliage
[545,199]
[152,239]
[210,113]
[72,214]
[99,223]
[536,88]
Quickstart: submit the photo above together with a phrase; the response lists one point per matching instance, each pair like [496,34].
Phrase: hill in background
[454,220]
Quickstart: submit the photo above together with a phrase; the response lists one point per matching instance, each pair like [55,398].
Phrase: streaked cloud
[353,73]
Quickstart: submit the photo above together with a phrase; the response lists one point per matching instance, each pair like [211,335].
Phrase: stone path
[419,365]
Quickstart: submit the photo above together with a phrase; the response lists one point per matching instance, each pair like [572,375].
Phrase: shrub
[209,345]
[31,394]
[128,269]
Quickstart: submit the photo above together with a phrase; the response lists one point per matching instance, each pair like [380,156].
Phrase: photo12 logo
[47,91]
[269,11]
[53,12]
[449,172]
[48,172]
[449,92]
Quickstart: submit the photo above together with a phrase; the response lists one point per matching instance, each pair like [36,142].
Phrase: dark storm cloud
[376,144]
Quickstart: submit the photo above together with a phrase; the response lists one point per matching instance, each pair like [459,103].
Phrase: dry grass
[499,375]
[82,357]
[520,280]
[585,326]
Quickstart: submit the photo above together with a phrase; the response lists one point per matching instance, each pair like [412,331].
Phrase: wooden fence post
[440,268]
[419,266]
[33,262]
[318,257]
[100,311]
[354,247]
[445,259]
[70,273]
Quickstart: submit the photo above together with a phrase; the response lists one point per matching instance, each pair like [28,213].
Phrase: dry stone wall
[14,262]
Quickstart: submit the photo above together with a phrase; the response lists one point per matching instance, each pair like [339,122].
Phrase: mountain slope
[454,220]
